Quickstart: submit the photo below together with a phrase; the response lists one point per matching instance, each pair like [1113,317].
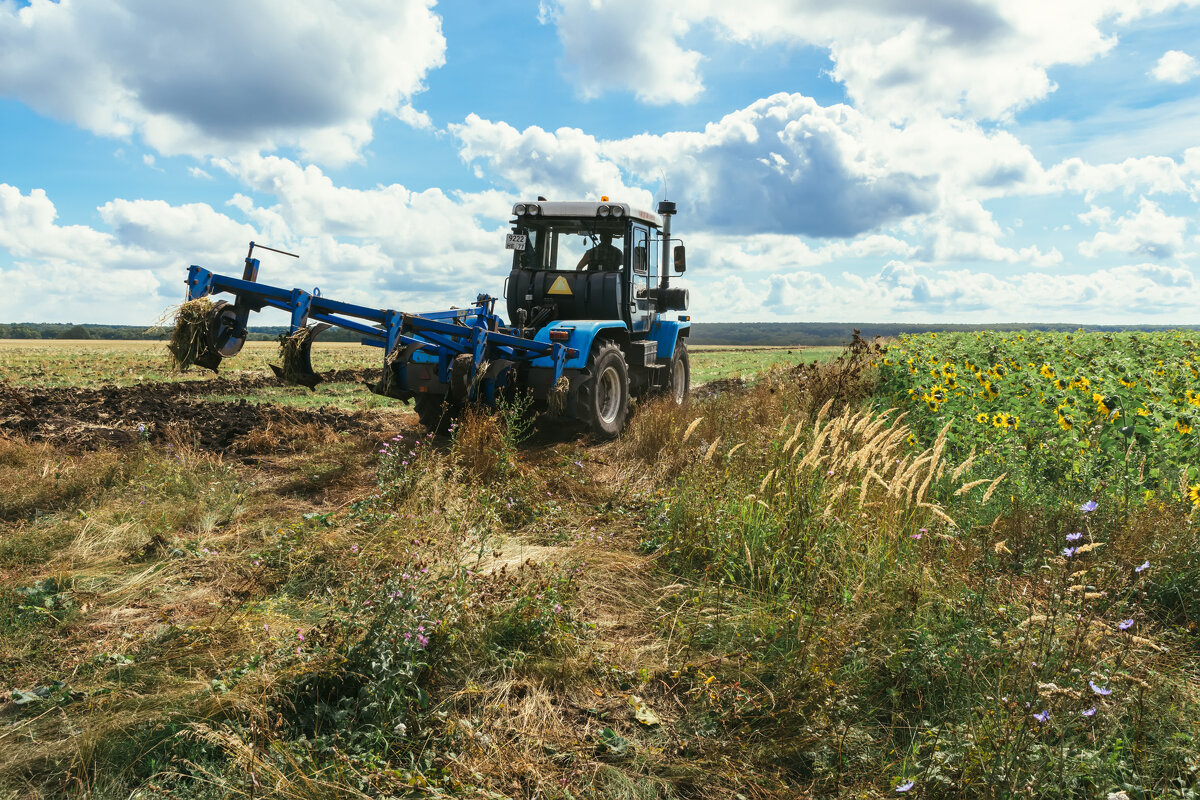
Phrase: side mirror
[680,258]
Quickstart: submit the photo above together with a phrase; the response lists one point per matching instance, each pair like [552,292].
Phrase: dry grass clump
[286,435]
[479,447]
[39,479]
[667,437]
[190,333]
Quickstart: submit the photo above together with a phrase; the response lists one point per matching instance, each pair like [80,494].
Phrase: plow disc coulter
[585,293]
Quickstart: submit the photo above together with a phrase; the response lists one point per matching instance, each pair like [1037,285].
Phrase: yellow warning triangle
[559,286]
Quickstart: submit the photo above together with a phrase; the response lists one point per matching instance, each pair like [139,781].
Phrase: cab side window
[640,249]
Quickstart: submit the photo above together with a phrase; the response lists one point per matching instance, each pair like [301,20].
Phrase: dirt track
[108,415]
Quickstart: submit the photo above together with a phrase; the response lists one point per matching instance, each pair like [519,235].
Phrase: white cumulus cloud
[899,59]
[1176,66]
[1149,231]
[627,44]
[223,76]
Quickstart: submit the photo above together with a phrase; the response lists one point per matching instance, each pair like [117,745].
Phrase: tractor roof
[586,209]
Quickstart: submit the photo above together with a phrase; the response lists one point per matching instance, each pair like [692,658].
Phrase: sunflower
[982,418]
[1193,494]
[1183,426]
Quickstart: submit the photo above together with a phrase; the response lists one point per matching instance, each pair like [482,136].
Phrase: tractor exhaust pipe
[666,209]
[668,299]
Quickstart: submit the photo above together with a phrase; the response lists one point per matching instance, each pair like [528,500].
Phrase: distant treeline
[762,334]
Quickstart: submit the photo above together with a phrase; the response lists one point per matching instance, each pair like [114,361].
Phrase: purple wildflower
[1089,712]
[904,787]
[1042,716]
[1100,690]
[353,548]
[557,608]
[1074,537]
[1068,552]
[1125,624]
[422,640]
[300,635]
[1089,506]
[915,535]
[1145,565]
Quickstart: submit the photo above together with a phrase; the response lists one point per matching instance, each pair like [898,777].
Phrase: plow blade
[224,335]
[296,351]
[393,382]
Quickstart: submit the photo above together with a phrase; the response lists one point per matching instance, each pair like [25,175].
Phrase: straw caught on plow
[190,336]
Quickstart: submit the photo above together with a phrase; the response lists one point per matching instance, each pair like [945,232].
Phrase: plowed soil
[88,418]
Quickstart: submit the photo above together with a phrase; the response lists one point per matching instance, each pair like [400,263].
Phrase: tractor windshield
[593,244]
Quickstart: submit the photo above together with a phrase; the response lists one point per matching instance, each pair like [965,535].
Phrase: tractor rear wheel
[604,403]
[435,412]
[680,378]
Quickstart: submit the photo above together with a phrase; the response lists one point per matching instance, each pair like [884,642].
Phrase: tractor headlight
[617,211]
[603,211]
[519,209]
[532,210]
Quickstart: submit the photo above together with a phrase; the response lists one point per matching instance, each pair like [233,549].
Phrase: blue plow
[466,355]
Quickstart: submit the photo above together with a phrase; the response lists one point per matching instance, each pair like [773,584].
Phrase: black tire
[603,403]
[435,412]
[679,379]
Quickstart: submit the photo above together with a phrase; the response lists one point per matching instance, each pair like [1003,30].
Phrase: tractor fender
[667,333]
[583,334]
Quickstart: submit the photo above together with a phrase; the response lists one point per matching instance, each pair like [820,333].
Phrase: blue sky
[877,160]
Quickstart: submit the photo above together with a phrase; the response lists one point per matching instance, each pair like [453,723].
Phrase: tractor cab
[587,261]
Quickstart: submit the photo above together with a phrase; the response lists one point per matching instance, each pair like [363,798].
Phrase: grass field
[813,585]
[50,363]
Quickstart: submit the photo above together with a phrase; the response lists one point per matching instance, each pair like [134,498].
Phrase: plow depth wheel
[604,406]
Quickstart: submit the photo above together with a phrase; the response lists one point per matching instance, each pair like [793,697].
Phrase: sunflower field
[1084,414]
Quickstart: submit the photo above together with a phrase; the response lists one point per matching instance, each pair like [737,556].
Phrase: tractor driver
[604,256]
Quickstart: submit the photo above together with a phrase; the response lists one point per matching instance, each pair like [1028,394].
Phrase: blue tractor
[586,296]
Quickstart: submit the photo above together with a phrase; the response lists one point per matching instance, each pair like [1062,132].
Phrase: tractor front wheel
[604,404]
[680,379]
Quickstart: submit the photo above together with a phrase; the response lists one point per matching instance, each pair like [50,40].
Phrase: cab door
[643,260]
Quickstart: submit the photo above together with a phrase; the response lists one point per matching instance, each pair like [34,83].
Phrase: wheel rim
[608,401]
[678,380]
